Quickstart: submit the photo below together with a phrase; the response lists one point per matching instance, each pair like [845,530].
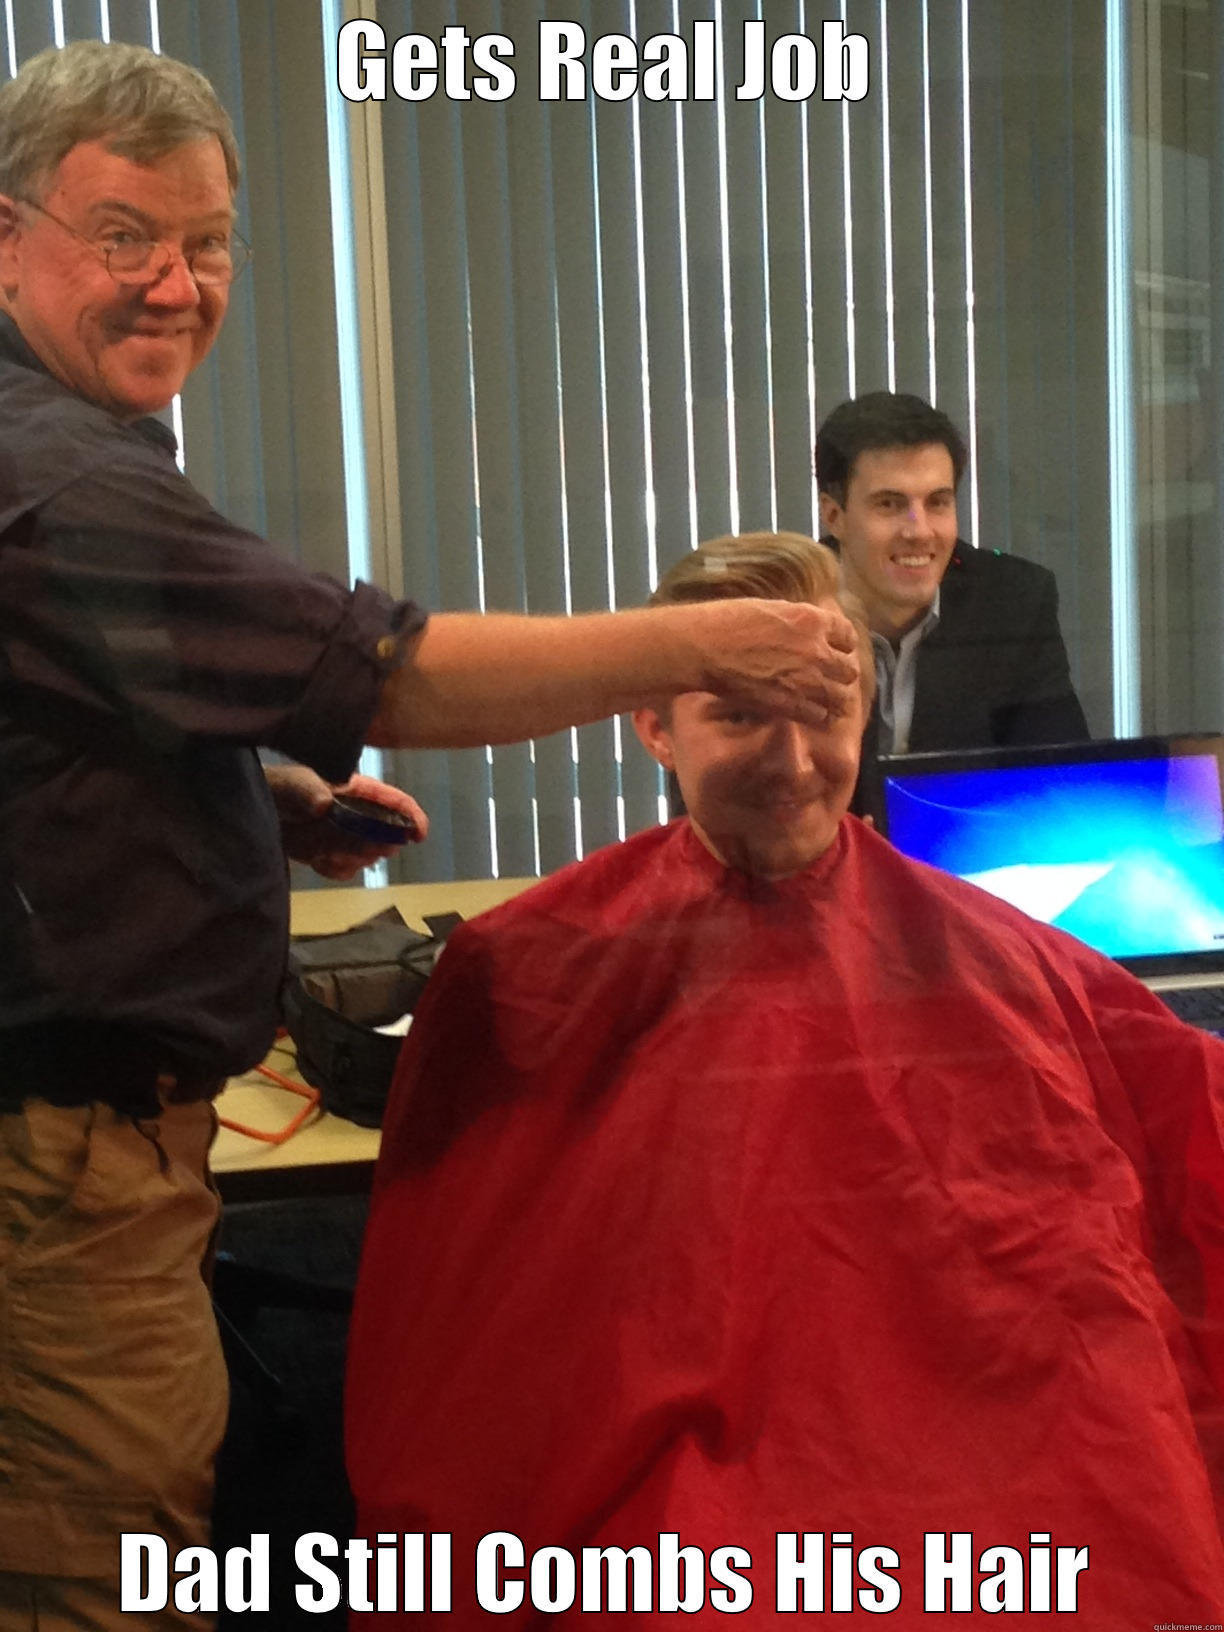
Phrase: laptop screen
[1121,844]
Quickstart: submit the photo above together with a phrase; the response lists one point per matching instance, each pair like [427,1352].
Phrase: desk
[328,1155]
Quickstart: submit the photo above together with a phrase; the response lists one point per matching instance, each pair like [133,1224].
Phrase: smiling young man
[968,652]
[748,1186]
[148,648]
[764,794]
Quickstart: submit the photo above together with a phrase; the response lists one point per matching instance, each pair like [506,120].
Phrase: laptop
[1119,843]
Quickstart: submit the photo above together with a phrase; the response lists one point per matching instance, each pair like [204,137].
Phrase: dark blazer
[993,672]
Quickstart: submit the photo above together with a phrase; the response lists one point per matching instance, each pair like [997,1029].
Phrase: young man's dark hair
[880,419]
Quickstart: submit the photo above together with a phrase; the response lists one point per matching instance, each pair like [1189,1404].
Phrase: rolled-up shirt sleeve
[129,599]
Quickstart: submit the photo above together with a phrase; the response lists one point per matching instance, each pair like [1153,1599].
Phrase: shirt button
[386,647]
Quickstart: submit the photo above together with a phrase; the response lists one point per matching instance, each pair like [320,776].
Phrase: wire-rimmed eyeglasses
[139,262]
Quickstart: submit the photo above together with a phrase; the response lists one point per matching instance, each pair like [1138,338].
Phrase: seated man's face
[896,531]
[764,793]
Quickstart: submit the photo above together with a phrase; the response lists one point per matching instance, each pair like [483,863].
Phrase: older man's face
[127,348]
[764,794]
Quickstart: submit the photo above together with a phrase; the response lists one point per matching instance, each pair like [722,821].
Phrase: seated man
[968,652]
[747,1179]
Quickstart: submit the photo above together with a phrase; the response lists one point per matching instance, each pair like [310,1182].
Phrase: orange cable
[310,1095]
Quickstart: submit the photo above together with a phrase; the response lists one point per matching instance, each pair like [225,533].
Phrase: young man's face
[127,348]
[764,794]
[896,531]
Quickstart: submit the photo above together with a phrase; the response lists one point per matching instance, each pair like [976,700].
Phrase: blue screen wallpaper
[1128,855]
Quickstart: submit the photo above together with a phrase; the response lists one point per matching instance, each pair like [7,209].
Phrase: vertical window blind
[1176,225]
[616,325]
[592,333]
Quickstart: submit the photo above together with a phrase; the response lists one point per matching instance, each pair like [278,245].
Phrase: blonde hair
[136,103]
[773,566]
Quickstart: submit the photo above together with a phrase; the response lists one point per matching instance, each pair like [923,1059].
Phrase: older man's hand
[780,657]
[303,803]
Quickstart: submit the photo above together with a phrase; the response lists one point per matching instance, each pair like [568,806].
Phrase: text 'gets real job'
[611,67]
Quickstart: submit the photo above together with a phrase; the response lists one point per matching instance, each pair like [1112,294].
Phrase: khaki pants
[113,1390]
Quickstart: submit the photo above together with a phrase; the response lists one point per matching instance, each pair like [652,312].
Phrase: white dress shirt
[895,675]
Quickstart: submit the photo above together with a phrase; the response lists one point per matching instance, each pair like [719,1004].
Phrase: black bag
[338,988]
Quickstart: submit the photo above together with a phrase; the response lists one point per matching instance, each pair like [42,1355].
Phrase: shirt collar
[911,637]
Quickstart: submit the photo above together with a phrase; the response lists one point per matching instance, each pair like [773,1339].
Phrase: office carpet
[281,1470]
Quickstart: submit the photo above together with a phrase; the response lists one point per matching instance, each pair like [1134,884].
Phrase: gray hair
[136,103]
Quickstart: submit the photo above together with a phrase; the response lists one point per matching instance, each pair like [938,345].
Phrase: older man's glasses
[140,262]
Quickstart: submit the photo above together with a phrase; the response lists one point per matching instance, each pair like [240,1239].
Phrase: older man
[147,648]
[751,1190]
[968,652]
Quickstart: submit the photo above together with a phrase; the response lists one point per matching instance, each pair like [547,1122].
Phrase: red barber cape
[855,1207]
